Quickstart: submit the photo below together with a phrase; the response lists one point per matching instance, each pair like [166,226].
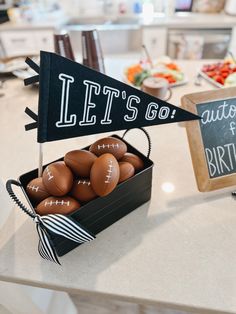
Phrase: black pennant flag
[75,100]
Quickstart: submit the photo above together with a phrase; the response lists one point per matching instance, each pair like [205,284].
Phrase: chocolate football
[36,190]
[109,145]
[57,178]
[126,171]
[82,190]
[104,174]
[57,205]
[80,162]
[135,160]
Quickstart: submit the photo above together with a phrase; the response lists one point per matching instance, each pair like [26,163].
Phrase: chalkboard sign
[212,139]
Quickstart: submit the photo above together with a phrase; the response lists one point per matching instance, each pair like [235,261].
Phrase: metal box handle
[9,185]
[148,138]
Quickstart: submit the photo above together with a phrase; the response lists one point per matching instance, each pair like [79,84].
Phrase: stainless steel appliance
[198,43]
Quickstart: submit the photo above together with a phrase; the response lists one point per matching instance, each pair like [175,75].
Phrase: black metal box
[101,212]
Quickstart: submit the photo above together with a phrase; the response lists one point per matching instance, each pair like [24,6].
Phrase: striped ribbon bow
[62,225]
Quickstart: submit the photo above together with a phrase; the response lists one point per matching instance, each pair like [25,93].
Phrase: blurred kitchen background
[178,29]
[181,29]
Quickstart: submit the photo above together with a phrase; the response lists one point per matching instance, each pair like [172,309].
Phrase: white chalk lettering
[232,127]
[211,166]
[228,147]
[223,112]
[221,153]
[221,159]
[216,160]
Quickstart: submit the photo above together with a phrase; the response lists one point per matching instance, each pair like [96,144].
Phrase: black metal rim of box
[102,212]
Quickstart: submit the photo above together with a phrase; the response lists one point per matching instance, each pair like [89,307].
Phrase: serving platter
[183,82]
[221,74]
[162,68]
[210,80]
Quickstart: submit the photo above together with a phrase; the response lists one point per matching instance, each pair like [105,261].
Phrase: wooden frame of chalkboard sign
[212,140]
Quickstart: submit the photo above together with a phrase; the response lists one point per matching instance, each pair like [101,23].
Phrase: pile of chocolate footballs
[83,175]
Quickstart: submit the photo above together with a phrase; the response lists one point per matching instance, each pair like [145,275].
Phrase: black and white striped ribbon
[62,225]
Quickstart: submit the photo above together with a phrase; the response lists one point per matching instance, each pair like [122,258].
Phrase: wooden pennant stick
[40,169]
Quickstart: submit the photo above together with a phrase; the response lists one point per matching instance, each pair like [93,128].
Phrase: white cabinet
[25,42]
[155,39]
[17,43]
[43,40]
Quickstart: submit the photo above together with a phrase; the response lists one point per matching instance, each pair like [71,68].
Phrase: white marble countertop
[178,249]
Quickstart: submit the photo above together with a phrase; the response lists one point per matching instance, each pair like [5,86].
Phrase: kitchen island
[176,252]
